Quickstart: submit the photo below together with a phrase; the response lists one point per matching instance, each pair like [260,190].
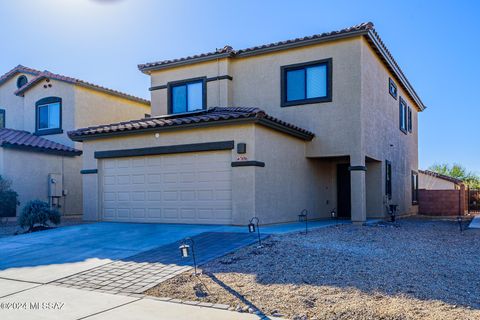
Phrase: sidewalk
[22,300]
[475,224]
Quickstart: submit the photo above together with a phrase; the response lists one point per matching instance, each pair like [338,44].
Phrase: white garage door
[180,188]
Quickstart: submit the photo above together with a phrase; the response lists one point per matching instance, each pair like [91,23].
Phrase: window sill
[404,131]
[48,132]
[305,101]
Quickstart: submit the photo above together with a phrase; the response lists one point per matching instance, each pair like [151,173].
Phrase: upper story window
[2,118]
[49,116]
[392,88]
[410,120]
[403,115]
[21,81]
[187,96]
[307,83]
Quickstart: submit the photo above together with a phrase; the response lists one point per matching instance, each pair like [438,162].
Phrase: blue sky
[435,42]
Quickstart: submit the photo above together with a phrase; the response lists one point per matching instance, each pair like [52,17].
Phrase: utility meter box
[55,185]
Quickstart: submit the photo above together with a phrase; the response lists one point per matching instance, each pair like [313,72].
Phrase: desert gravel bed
[419,269]
[12,228]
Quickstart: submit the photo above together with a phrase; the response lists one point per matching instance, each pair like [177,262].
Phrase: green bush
[37,212]
[8,199]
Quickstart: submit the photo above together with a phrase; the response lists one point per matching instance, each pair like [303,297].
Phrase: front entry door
[343,191]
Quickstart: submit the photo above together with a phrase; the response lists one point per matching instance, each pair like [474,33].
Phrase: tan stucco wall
[381,137]
[58,89]
[256,83]
[29,172]
[93,108]
[241,185]
[361,121]
[12,104]
[290,182]
[426,181]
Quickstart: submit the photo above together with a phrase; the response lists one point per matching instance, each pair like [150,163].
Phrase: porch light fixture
[252,226]
[303,217]
[185,247]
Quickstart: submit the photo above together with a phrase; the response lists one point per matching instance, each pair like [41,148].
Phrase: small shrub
[37,212]
[8,199]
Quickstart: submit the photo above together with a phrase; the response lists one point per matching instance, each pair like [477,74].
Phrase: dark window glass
[187,97]
[21,81]
[414,187]
[392,88]
[410,124]
[307,83]
[49,116]
[403,115]
[388,180]
[296,85]
[2,118]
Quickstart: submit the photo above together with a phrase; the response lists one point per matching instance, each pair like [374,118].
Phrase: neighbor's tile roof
[441,176]
[49,75]
[40,75]
[229,51]
[11,138]
[18,69]
[212,115]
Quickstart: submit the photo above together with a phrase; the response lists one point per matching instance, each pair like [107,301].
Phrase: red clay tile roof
[441,176]
[18,69]
[10,138]
[219,115]
[366,29]
[49,75]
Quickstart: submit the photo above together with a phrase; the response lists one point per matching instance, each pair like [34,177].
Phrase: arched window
[21,81]
[49,116]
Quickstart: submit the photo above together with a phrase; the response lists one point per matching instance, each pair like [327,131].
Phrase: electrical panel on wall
[55,185]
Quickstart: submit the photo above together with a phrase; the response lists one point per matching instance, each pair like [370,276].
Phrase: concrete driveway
[46,256]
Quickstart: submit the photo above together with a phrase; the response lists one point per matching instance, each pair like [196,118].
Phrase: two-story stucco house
[326,122]
[37,109]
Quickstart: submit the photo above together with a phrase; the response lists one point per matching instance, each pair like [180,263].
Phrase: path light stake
[254,225]
[185,247]
[334,215]
[460,223]
[303,216]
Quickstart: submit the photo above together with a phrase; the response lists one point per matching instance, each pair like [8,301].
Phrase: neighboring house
[37,109]
[430,180]
[326,122]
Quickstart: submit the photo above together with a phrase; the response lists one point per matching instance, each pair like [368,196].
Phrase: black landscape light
[460,222]
[303,217]
[393,212]
[252,226]
[187,245]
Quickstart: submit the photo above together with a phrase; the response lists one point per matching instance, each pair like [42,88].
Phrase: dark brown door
[343,191]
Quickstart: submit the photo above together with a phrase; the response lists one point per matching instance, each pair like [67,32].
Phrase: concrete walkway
[25,301]
[475,224]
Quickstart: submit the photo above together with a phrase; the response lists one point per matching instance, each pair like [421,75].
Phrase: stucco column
[358,194]
[243,195]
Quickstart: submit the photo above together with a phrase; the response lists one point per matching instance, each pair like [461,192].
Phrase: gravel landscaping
[12,228]
[418,269]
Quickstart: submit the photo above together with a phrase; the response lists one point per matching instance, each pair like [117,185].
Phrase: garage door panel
[182,188]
